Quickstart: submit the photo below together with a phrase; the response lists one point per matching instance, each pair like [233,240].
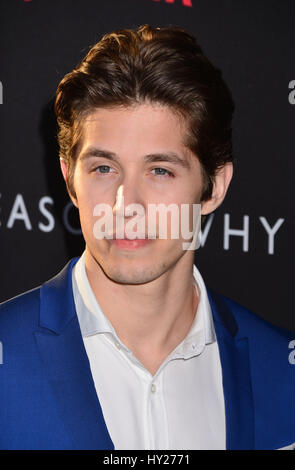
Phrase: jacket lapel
[236,376]
[66,364]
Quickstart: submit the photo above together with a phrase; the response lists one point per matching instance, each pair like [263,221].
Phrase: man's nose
[127,193]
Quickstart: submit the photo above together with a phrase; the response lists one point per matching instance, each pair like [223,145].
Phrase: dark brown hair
[156,65]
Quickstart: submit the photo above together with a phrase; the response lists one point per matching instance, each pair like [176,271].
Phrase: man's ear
[220,187]
[64,170]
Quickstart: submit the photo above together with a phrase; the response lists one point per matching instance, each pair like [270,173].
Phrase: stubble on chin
[134,275]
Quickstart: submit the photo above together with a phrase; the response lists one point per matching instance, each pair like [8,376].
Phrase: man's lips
[127,244]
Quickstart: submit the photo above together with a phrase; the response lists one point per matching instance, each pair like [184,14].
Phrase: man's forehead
[103,137]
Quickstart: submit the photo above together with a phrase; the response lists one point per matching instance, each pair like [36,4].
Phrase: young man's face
[134,136]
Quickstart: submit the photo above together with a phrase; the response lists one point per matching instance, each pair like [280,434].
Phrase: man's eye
[162,172]
[103,169]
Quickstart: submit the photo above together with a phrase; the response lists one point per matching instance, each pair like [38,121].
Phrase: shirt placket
[157,413]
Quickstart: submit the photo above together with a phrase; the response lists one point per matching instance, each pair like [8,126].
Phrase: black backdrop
[253,42]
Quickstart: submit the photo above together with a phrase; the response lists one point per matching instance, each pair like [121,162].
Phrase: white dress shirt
[181,406]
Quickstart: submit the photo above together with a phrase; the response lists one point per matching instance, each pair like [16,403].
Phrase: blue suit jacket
[47,395]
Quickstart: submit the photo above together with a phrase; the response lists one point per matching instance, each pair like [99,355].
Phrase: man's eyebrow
[169,156]
[97,152]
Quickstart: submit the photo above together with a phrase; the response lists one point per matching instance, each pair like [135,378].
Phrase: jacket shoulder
[23,312]
[250,322]
[20,310]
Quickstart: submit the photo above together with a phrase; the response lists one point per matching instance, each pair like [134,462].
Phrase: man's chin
[136,264]
[132,273]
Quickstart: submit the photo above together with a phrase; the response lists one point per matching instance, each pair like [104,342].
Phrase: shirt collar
[93,321]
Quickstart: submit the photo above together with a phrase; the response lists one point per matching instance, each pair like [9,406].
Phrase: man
[126,348]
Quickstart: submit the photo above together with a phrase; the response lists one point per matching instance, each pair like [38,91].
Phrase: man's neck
[159,316]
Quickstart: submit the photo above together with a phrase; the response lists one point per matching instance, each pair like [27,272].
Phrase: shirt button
[153,388]
[118,345]
[193,346]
